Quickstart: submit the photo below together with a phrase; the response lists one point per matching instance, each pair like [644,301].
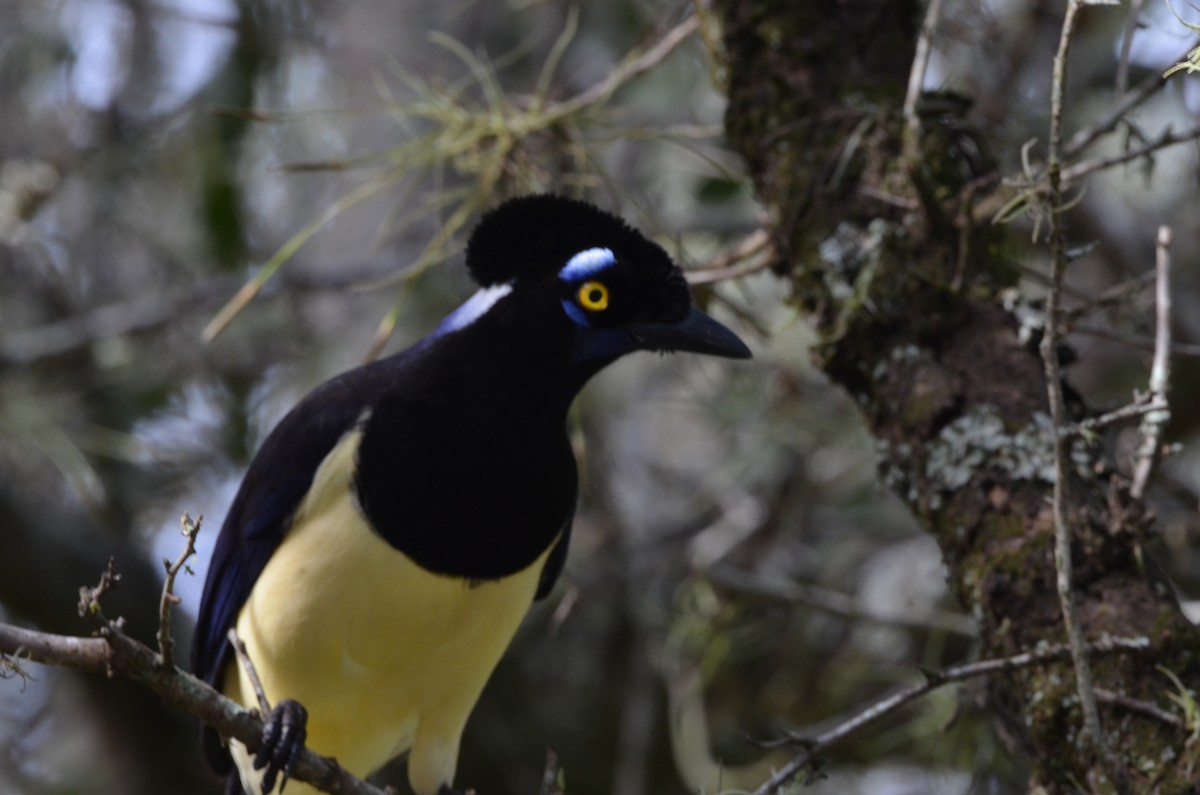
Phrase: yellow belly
[386,656]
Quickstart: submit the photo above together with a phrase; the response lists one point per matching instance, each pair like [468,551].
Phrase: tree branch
[114,653]
[1088,135]
[1168,138]
[812,746]
[911,144]
[1131,23]
[1140,407]
[1160,371]
[752,254]
[165,643]
[631,68]
[1142,708]
[838,604]
[1049,350]
[243,656]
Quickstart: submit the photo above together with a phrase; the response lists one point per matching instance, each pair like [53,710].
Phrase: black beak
[696,333]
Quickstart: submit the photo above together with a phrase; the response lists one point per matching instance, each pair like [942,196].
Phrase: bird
[397,524]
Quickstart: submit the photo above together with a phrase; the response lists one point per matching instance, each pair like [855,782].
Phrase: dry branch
[165,644]
[243,656]
[114,653]
[1053,369]
[812,746]
[1160,372]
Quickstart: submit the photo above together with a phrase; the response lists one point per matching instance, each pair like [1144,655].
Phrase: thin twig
[165,644]
[903,202]
[628,70]
[911,146]
[1111,297]
[750,255]
[834,603]
[1160,370]
[89,598]
[239,649]
[751,244]
[1134,340]
[812,746]
[1140,407]
[144,312]
[1168,138]
[1141,707]
[1131,23]
[1088,135]
[1049,349]
[251,288]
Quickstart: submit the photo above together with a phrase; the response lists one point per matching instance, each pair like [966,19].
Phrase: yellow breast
[385,656]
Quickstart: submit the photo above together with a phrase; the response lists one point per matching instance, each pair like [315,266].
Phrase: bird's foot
[284,731]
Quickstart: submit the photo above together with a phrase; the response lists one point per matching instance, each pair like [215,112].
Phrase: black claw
[448,790]
[284,732]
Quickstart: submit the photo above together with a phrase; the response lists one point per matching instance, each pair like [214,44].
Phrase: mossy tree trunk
[904,290]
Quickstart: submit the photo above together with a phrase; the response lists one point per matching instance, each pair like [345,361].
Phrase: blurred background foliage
[735,571]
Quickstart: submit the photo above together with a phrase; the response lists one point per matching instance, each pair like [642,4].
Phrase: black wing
[260,517]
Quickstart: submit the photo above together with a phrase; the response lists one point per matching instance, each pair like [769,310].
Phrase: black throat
[465,465]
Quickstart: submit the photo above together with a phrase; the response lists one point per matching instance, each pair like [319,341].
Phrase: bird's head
[583,283]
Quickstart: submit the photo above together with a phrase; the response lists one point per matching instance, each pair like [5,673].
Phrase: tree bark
[904,288]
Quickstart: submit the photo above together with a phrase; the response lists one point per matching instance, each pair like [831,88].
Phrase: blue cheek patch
[576,314]
[587,264]
[600,345]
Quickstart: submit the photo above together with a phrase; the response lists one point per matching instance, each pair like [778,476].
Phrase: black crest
[534,235]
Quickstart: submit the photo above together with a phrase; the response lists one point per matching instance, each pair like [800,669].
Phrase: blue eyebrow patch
[587,263]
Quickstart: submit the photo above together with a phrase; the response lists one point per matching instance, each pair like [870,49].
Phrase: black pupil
[595,296]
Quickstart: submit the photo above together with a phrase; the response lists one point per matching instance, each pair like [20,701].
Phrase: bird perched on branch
[398,523]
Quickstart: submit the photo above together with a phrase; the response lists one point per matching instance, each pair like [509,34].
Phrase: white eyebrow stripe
[587,263]
[473,308]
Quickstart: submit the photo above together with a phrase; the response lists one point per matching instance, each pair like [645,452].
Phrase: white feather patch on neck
[474,308]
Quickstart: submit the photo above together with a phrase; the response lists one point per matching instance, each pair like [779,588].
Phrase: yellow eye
[593,296]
